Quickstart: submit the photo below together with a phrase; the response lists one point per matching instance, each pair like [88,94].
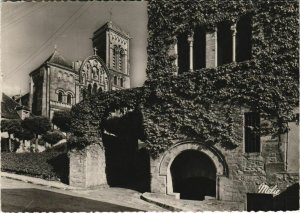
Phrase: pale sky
[29,32]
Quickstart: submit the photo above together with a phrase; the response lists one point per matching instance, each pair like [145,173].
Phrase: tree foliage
[62,119]
[11,126]
[52,137]
[37,125]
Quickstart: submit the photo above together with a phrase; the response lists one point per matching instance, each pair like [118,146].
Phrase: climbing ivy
[202,105]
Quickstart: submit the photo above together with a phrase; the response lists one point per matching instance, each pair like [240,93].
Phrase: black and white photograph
[149,106]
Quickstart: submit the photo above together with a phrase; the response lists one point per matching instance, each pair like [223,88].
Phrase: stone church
[58,84]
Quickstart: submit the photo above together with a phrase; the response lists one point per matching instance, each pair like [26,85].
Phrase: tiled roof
[57,58]
[8,106]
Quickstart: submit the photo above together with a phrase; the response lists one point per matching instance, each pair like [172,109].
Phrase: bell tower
[112,44]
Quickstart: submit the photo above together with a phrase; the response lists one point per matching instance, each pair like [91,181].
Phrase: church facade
[58,84]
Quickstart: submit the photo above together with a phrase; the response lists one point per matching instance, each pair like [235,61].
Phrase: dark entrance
[193,175]
[259,202]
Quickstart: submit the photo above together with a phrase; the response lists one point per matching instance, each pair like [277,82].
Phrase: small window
[115,80]
[89,90]
[60,97]
[95,88]
[243,38]
[69,99]
[183,53]
[121,82]
[199,48]
[252,136]
[224,43]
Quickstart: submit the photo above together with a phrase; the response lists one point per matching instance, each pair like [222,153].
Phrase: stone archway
[162,181]
[193,175]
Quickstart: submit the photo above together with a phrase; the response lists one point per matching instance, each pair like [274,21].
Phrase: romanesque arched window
[89,90]
[83,94]
[115,80]
[83,77]
[121,60]
[69,99]
[95,88]
[121,82]
[60,97]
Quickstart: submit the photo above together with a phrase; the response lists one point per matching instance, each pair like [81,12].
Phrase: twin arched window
[119,58]
[60,95]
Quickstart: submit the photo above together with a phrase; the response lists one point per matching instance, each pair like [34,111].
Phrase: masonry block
[87,167]
[211,48]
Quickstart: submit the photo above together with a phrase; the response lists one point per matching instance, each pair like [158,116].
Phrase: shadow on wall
[126,166]
[60,166]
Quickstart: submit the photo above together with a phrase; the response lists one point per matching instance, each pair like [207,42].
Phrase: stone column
[31,93]
[211,59]
[44,92]
[176,59]
[233,32]
[191,44]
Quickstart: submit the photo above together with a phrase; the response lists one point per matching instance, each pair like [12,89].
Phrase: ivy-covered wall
[200,105]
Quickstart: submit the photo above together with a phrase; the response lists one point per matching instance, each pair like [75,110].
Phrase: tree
[38,125]
[62,119]
[24,134]
[11,127]
[52,137]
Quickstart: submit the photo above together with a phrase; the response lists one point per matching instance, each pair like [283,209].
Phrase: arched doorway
[193,175]
[161,177]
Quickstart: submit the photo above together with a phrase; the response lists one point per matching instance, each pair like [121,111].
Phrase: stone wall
[246,171]
[87,167]
[63,80]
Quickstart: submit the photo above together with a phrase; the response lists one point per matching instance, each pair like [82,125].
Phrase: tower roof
[57,58]
[112,26]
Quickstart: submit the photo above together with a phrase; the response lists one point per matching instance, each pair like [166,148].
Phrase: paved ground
[97,199]
[21,196]
[174,204]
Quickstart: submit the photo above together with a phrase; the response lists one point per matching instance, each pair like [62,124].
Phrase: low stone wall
[87,167]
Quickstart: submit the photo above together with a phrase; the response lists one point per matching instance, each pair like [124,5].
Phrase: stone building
[260,171]
[59,84]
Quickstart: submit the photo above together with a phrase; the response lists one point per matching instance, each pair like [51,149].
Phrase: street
[17,196]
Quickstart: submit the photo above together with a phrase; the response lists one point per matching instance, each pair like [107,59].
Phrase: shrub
[53,137]
[43,165]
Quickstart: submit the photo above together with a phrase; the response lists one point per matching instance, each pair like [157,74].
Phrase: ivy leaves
[203,105]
